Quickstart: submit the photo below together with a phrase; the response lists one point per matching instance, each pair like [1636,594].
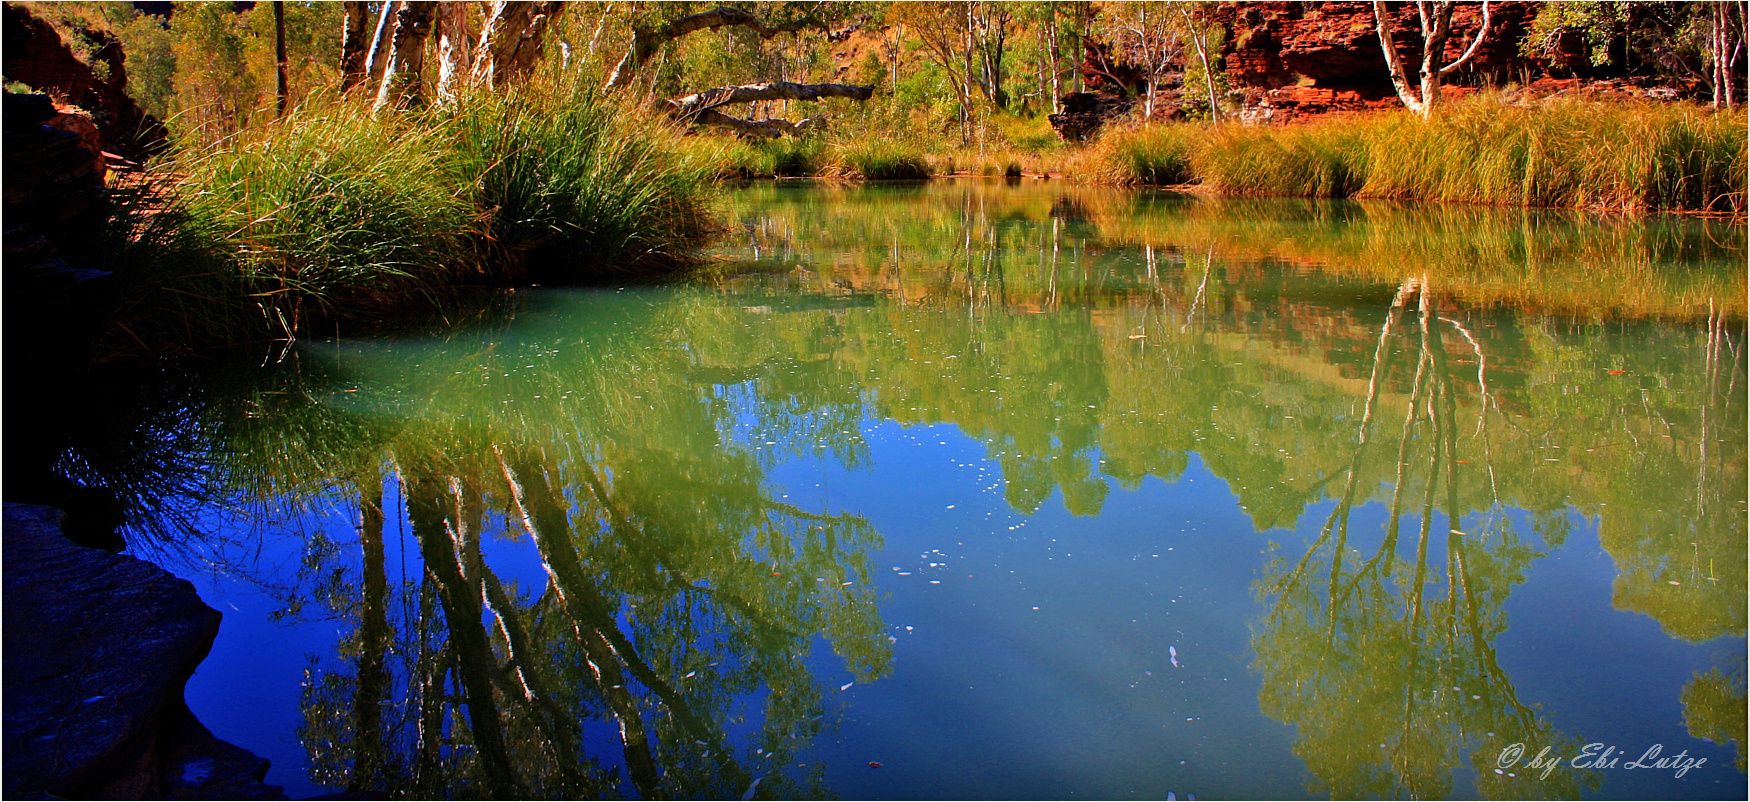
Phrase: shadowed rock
[98,647]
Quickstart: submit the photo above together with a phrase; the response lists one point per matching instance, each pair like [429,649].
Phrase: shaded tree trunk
[281,84]
[354,44]
[402,84]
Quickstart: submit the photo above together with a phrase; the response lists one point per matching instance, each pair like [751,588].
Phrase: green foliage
[337,215]
[1714,708]
[1599,23]
[786,157]
[1634,37]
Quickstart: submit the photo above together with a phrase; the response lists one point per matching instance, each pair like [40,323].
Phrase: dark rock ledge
[98,647]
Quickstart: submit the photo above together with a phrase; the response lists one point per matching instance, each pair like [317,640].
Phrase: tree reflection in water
[680,596]
[1388,677]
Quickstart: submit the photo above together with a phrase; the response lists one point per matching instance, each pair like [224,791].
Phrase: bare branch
[646,42]
[692,105]
[1477,43]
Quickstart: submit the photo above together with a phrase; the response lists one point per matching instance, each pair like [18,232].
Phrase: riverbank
[1632,157]
[1625,156]
[335,219]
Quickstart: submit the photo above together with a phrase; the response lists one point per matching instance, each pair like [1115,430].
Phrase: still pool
[983,490]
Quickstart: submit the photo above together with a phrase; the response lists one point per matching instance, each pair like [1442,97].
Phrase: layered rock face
[98,648]
[1301,58]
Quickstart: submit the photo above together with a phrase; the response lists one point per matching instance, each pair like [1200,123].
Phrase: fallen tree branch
[701,108]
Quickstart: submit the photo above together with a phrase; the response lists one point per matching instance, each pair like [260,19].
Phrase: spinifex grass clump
[879,159]
[334,214]
[1637,156]
[1323,160]
[1151,154]
[1620,156]
[573,188]
[331,214]
[172,281]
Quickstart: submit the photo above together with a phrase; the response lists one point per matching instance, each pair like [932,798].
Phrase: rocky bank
[98,648]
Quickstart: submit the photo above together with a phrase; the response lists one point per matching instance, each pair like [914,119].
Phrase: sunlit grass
[338,215]
[879,159]
[331,213]
[1620,156]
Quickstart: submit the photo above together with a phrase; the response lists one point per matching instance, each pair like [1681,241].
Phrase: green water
[1021,491]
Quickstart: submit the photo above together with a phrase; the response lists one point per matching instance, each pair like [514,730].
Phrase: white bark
[455,48]
[403,78]
[701,108]
[1436,24]
[511,40]
[378,60]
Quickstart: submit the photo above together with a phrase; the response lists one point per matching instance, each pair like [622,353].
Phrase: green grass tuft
[879,160]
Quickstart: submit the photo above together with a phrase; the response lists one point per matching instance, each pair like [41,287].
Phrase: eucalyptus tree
[1435,19]
[1146,35]
[488,45]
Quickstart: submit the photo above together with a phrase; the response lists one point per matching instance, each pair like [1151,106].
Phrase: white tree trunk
[378,60]
[1436,21]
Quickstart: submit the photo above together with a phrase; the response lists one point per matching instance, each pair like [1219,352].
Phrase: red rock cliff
[1326,56]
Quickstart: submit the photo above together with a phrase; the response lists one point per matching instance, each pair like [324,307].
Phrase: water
[976,490]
